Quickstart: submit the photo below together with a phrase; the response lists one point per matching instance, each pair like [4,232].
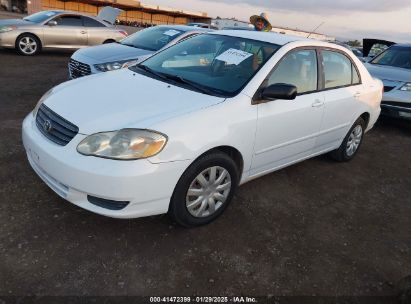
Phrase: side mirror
[279,91]
[52,23]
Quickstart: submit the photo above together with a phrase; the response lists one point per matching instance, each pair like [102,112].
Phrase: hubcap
[354,140]
[208,191]
[28,45]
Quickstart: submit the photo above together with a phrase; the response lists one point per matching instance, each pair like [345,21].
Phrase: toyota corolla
[180,131]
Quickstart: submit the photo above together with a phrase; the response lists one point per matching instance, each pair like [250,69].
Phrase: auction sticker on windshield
[233,56]
[171,32]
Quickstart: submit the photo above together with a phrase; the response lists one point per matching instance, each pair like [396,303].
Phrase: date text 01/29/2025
[199,299]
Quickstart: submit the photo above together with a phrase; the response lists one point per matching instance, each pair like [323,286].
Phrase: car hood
[389,72]
[111,52]
[17,22]
[122,99]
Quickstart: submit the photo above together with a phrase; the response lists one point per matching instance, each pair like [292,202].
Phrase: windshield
[40,17]
[153,38]
[395,56]
[218,63]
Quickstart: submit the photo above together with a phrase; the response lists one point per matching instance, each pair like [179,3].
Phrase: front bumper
[146,186]
[8,39]
[396,103]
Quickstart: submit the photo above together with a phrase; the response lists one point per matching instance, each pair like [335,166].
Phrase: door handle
[317,103]
[357,95]
[83,32]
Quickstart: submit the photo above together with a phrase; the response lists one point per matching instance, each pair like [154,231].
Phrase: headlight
[111,66]
[4,29]
[42,99]
[406,87]
[126,144]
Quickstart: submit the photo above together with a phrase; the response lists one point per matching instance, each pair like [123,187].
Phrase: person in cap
[261,23]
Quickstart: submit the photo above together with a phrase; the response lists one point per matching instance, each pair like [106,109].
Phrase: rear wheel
[109,41]
[28,45]
[204,190]
[351,142]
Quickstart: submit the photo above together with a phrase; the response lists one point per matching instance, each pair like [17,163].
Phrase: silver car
[129,51]
[59,29]
[393,67]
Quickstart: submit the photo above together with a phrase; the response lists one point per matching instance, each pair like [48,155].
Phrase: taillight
[124,33]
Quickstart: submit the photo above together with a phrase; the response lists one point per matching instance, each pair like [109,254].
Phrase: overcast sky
[343,18]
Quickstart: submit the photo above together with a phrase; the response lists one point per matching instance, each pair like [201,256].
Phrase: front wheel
[28,45]
[351,142]
[204,190]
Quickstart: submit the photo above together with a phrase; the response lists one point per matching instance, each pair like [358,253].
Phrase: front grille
[388,88]
[55,127]
[78,69]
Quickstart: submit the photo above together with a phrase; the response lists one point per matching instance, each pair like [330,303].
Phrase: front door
[68,33]
[287,129]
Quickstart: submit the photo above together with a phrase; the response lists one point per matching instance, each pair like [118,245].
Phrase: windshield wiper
[197,86]
[151,71]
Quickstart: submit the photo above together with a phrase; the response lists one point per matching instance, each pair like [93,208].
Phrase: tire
[351,143]
[28,45]
[109,41]
[205,195]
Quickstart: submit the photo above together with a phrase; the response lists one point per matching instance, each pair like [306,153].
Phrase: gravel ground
[315,228]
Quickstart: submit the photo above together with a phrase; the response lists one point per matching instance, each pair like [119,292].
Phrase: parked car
[393,67]
[203,25]
[180,131]
[59,29]
[374,47]
[133,49]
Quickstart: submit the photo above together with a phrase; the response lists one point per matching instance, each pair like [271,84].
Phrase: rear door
[287,129]
[342,92]
[68,33]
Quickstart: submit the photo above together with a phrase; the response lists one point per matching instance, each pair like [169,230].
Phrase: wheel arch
[31,34]
[232,152]
[366,117]
[110,40]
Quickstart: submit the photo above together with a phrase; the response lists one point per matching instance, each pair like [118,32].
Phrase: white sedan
[179,132]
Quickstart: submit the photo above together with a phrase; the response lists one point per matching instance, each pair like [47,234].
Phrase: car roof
[271,37]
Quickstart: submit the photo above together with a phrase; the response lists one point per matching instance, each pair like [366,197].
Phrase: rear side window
[69,21]
[89,22]
[297,68]
[339,71]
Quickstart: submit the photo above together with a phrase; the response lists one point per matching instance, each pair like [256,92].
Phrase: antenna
[315,29]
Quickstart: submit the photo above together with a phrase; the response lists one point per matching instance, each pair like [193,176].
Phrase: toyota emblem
[47,126]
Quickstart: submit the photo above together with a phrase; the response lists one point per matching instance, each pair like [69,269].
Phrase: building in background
[134,11]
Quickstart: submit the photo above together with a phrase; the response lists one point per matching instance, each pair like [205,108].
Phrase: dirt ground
[315,228]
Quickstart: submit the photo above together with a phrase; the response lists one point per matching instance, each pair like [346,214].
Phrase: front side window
[395,56]
[152,39]
[69,21]
[338,70]
[217,63]
[298,68]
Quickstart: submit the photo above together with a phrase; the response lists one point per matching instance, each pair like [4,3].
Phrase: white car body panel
[269,136]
